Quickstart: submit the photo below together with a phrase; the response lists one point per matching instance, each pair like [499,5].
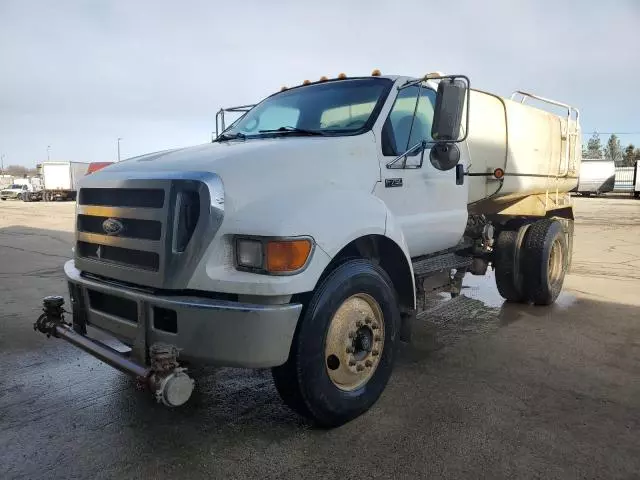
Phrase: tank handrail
[570,110]
[526,95]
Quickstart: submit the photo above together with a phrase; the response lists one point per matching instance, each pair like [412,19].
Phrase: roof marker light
[324,78]
[433,75]
[376,73]
[342,76]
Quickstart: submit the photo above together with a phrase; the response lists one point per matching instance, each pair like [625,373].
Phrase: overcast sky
[76,75]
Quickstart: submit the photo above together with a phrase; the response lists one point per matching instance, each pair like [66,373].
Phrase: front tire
[344,347]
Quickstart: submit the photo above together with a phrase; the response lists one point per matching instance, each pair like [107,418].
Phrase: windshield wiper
[232,136]
[289,129]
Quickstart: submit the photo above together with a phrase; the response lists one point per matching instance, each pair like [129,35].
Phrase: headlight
[274,256]
[249,253]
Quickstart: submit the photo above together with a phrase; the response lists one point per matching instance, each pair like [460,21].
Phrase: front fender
[334,218]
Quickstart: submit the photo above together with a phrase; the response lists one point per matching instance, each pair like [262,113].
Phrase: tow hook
[165,378]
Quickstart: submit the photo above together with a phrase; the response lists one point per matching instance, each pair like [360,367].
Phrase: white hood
[257,169]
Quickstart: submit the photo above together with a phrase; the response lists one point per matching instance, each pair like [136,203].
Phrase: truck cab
[21,189]
[305,235]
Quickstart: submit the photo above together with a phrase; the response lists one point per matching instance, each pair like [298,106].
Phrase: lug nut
[374,326]
[368,363]
[360,367]
[375,353]
[352,334]
[352,363]
[377,338]
[359,323]
[368,319]
[349,349]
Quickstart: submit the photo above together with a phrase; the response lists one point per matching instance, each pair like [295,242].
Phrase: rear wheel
[545,259]
[343,351]
[507,265]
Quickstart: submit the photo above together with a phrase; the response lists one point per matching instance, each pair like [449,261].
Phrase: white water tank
[539,151]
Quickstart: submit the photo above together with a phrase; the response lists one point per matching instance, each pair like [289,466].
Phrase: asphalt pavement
[485,390]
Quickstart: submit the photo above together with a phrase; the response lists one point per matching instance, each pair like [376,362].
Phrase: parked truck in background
[26,189]
[308,235]
[60,179]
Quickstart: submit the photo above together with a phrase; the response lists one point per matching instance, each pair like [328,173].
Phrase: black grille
[133,228]
[122,197]
[188,214]
[112,305]
[119,255]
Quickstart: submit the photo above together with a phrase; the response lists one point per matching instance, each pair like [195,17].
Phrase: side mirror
[447,116]
[452,93]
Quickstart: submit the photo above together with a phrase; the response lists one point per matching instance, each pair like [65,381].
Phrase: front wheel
[344,348]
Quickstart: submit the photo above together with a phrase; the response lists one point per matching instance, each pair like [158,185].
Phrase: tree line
[611,151]
[18,171]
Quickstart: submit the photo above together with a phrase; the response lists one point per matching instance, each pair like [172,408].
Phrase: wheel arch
[385,252]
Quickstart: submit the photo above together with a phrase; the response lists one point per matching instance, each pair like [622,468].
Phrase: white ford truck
[307,235]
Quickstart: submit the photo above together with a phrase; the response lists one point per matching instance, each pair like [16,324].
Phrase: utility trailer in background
[60,179]
[597,176]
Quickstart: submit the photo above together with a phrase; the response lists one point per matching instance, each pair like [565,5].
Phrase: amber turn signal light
[287,255]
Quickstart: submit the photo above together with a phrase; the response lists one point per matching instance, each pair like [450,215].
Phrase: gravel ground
[485,389]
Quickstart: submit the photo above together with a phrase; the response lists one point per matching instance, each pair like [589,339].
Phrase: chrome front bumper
[208,331]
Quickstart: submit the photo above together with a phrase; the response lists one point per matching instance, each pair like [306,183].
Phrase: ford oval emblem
[112,226]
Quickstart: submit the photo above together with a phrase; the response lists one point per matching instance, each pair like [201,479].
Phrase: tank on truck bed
[307,236]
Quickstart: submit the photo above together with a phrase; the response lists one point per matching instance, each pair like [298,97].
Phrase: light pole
[2,165]
[119,148]
[48,153]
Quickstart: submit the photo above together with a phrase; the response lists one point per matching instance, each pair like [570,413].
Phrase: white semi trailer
[60,179]
[308,234]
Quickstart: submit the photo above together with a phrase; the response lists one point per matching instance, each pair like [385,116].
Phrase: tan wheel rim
[354,342]
[556,262]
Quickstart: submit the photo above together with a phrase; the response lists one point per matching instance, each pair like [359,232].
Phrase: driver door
[430,208]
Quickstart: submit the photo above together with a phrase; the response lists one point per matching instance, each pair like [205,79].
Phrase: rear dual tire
[344,347]
[531,265]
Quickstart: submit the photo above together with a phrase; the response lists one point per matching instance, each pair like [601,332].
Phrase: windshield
[14,186]
[343,107]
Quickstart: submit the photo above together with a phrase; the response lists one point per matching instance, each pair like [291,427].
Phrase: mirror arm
[416,147]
